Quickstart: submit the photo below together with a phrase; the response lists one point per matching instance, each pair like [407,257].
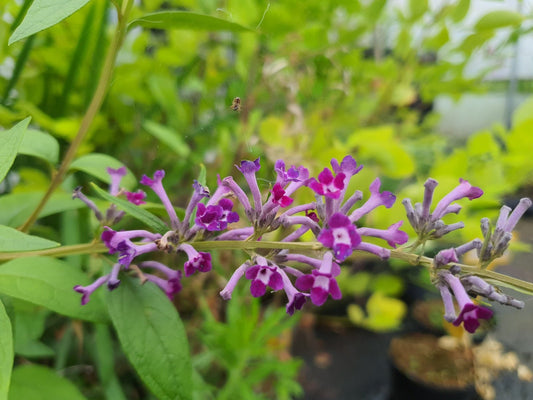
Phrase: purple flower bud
[230,286]
[376,199]
[116,177]
[156,184]
[199,193]
[517,213]
[444,257]
[112,239]
[449,309]
[198,261]
[464,189]
[430,186]
[248,169]
[77,194]
[341,236]
[113,281]
[328,185]
[263,275]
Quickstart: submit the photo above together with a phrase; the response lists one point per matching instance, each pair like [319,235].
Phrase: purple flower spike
[263,275]
[470,312]
[116,177]
[376,199]
[328,185]
[341,236]
[137,197]
[198,261]
[464,189]
[156,184]
[86,291]
[278,196]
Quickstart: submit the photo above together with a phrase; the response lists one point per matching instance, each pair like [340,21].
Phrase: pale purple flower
[116,177]
[263,275]
[248,169]
[234,279]
[464,189]
[77,194]
[393,235]
[341,236]
[198,261]
[376,199]
[86,291]
[137,197]
[156,184]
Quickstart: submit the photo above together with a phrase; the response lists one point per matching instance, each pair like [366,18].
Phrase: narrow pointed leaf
[153,338]
[13,240]
[136,212]
[49,282]
[10,141]
[186,20]
[6,352]
[498,19]
[43,14]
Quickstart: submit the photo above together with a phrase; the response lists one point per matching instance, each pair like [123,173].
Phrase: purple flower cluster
[447,275]
[334,218]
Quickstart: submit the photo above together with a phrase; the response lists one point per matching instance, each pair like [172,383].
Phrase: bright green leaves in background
[48,282]
[96,165]
[153,337]
[43,14]
[34,382]
[6,352]
[10,140]
[186,20]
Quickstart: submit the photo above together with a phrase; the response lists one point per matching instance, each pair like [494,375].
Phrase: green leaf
[153,338]
[10,140]
[202,176]
[17,207]
[186,20]
[498,19]
[48,282]
[43,14]
[460,10]
[135,211]
[13,240]
[35,382]
[96,164]
[169,137]
[417,8]
[41,145]
[6,352]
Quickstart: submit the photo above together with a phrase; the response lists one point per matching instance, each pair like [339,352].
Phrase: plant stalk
[88,118]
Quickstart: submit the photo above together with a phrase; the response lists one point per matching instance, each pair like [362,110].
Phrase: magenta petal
[275,281]
[251,273]
[326,238]
[338,220]
[318,296]
[334,290]
[257,288]
[305,282]
[325,177]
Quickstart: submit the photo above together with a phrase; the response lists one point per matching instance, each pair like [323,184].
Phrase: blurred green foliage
[317,80]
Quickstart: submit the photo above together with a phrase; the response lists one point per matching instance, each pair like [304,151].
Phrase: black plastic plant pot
[422,369]
[404,387]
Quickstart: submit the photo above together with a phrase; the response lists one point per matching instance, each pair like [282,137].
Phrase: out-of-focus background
[410,89]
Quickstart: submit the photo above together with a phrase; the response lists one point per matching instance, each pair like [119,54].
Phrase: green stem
[92,110]
[414,259]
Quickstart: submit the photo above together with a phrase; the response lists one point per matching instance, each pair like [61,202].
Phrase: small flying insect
[236,105]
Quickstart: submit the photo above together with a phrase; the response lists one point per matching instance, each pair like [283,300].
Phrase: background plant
[339,83]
